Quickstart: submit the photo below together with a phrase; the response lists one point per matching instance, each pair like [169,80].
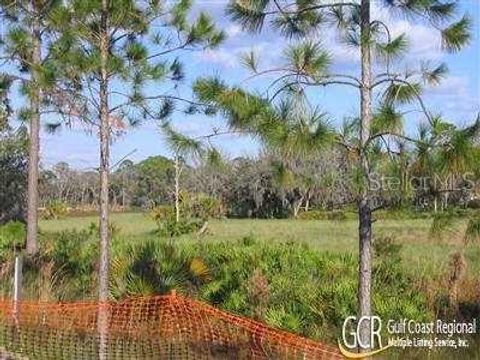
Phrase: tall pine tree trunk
[104,186]
[34,139]
[364,209]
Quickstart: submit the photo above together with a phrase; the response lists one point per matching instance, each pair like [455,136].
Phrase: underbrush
[287,285]
[294,287]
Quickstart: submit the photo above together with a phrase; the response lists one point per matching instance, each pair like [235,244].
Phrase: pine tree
[111,54]
[25,54]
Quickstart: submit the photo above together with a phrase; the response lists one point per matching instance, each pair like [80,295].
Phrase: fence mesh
[161,327]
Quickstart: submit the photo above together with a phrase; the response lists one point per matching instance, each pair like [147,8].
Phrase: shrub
[94,229]
[474,204]
[154,267]
[173,228]
[258,294]
[75,253]
[162,213]
[409,213]
[55,209]
[308,292]
[388,262]
[201,206]
[167,223]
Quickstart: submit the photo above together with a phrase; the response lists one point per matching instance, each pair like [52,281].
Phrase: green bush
[200,206]
[474,204]
[54,210]
[94,229]
[75,254]
[388,262]
[409,213]
[162,213]
[472,233]
[310,293]
[167,223]
[155,267]
[173,228]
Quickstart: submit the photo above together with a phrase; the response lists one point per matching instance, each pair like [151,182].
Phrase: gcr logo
[352,339]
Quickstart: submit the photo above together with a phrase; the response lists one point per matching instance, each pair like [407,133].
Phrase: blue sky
[457,98]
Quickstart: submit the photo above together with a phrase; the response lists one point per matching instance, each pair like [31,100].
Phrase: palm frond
[282,175]
[458,151]
[199,269]
[472,132]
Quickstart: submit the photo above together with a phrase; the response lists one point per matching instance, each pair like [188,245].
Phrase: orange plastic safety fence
[161,327]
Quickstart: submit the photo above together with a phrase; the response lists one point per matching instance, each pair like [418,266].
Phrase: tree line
[267,186]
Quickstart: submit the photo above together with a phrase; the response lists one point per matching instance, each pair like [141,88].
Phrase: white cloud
[229,57]
[233,30]
[452,85]
[455,98]
[223,57]
[341,53]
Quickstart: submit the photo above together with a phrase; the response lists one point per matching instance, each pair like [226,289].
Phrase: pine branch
[153,97]
[324,82]
[415,93]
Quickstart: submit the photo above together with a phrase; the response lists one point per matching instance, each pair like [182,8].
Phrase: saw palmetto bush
[156,267]
[309,293]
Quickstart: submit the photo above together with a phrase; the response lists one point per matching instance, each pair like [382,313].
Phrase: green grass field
[420,251]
